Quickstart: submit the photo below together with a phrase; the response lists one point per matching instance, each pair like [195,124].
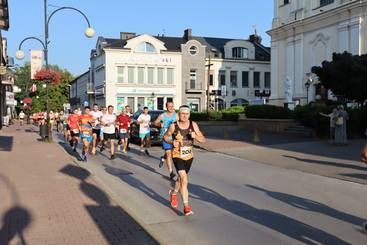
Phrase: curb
[111,195]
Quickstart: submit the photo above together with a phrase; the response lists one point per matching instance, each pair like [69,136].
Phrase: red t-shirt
[124,121]
[73,121]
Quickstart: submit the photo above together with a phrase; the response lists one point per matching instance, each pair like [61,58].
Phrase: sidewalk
[47,199]
[291,152]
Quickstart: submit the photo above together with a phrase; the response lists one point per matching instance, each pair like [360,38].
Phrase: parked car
[154,130]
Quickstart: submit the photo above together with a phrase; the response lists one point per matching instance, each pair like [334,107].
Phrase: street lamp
[89,32]
[208,81]
[308,83]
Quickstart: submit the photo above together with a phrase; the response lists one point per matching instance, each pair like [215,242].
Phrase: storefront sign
[9,98]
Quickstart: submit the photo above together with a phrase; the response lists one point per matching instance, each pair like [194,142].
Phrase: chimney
[127,35]
[188,34]
[255,38]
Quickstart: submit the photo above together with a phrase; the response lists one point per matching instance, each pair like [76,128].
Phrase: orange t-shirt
[85,122]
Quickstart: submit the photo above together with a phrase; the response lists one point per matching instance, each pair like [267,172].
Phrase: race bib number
[186,152]
[123,131]
[86,134]
[75,131]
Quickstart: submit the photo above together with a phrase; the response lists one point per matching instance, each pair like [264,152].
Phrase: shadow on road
[356,176]
[278,222]
[333,164]
[139,185]
[114,223]
[6,143]
[311,206]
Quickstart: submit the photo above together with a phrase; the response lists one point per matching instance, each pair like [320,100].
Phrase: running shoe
[147,152]
[172,175]
[161,162]
[102,148]
[74,149]
[173,198]
[187,210]
[112,157]
[128,148]
[124,151]
[71,142]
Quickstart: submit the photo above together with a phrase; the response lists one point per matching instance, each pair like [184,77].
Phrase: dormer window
[146,48]
[239,53]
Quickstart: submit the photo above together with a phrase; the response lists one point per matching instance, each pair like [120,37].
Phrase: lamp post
[208,82]
[89,32]
[308,83]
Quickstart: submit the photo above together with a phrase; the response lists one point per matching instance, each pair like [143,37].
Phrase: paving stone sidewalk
[46,199]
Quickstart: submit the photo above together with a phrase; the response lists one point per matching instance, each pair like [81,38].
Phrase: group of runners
[177,133]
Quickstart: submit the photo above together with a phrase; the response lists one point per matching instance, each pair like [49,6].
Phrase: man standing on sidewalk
[97,115]
[164,121]
[182,135]
[73,120]
[144,130]
[85,125]
[109,133]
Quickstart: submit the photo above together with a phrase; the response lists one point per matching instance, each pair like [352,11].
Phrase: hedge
[267,112]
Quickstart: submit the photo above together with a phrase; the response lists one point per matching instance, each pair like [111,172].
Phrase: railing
[194,86]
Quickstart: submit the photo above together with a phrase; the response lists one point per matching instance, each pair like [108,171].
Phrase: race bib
[75,131]
[86,134]
[123,131]
[186,152]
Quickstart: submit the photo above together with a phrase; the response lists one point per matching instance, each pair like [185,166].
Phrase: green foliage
[58,94]
[345,76]
[198,116]
[234,109]
[215,115]
[267,112]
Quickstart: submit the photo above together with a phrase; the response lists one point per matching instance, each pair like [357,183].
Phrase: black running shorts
[97,132]
[109,136]
[182,164]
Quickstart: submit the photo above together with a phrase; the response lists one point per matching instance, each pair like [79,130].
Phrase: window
[141,71]
[193,50]
[192,79]
[286,2]
[160,103]
[267,80]
[239,53]
[233,93]
[211,82]
[146,48]
[141,102]
[131,103]
[130,73]
[256,79]
[233,79]
[150,75]
[170,76]
[160,75]
[325,2]
[120,74]
[239,102]
[222,78]
[245,79]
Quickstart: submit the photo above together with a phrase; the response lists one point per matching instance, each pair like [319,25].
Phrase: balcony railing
[193,85]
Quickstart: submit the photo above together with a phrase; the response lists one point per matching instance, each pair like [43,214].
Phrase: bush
[215,115]
[230,116]
[198,116]
[267,112]
[234,109]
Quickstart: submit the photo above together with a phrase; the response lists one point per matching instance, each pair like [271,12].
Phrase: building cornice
[327,14]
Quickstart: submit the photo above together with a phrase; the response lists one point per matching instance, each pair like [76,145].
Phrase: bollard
[225,134]
[255,136]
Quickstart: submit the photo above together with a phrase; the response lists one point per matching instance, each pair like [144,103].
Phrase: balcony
[194,87]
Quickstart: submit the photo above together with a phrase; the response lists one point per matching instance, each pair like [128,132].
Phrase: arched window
[146,47]
[241,102]
[239,53]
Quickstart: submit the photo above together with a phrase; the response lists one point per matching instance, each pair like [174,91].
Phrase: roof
[262,53]
[75,79]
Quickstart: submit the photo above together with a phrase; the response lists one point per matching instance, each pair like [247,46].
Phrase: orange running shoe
[173,199]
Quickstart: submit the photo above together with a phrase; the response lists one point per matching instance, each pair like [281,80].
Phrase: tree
[58,94]
[345,76]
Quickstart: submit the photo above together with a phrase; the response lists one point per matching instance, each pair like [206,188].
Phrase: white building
[305,33]
[145,70]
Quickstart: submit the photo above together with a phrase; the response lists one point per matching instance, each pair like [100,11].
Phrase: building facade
[145,70]
[305,33]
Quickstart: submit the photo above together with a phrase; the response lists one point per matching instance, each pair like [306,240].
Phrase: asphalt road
[235,201]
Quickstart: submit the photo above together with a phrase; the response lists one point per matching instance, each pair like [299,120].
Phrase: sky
[69,48]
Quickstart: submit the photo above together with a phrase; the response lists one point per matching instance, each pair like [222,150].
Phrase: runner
[183,132]
[109,120]
[123,121]
[65,125]
[144,130]
[21,118]
[128,112]
[86,132]
[104,112]
[97,115]
[73,129]
[164,121]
